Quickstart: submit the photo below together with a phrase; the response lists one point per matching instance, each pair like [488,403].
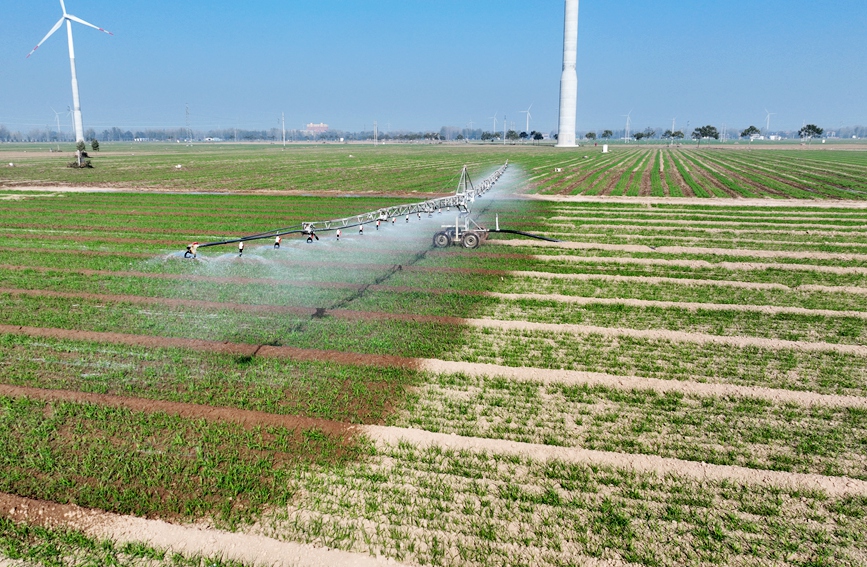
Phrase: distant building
[316,128]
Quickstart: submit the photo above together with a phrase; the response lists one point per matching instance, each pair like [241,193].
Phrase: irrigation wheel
[442,240]
[471,240]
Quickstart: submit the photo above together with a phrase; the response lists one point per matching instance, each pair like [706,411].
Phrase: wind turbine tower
[527,112]
[76,104]
[626,130]
[768,122]
[569,78]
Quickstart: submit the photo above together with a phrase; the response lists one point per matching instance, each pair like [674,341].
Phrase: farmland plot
[671,384]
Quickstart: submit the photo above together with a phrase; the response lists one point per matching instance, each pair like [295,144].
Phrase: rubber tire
[471,240]
[442,240]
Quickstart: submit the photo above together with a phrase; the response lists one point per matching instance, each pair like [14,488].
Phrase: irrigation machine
[464,232]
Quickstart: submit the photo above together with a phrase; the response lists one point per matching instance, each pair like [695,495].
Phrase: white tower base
[569,78]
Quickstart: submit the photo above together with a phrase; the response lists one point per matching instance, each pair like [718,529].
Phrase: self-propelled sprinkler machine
[465,232]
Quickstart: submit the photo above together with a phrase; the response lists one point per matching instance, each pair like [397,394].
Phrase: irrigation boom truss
[463,199]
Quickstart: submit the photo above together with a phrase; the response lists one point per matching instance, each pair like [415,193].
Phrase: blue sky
[419,65]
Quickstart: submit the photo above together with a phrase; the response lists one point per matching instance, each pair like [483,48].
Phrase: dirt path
[642,248]
[578,378]
[671,336]
[765,309]
[833,486]
[237,349]
[188,540]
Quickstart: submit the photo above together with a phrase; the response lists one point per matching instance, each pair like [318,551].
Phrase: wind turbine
[57,118]
[768,122]
[528,118]
[626,131]
[76,104]
[495,121]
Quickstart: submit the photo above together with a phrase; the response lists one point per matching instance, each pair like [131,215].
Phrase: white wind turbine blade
[80,21]
[54,29]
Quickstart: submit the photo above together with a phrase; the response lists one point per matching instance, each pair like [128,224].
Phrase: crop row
[726,431]
[326,390]
[460,293]
[443,507]
[784,368]
[153,463]
[37,545]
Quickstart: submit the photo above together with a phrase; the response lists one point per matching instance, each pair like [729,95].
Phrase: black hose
[527,234]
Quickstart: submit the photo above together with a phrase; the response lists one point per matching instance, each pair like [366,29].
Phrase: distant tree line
[446,133]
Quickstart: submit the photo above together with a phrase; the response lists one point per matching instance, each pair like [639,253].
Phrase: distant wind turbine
[628,121]
[76,104]
[528,118]
[495,121]
[57,118]
[768,122]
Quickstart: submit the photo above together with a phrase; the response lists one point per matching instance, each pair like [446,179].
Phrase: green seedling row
[437,506]
[725,431]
